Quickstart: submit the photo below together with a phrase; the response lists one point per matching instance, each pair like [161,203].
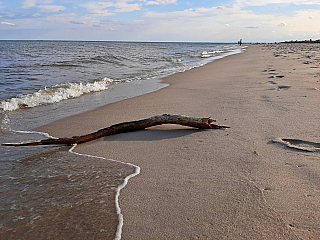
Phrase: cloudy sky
[161,20]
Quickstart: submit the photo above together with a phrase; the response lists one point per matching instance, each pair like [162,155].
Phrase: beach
[258,179]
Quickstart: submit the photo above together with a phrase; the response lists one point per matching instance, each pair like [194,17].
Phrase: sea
[43,81]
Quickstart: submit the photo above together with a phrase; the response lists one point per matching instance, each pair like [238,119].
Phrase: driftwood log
[201,123]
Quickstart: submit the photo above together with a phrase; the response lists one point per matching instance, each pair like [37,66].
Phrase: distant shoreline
[302,41]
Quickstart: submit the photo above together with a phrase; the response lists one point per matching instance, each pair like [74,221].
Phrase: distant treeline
[303,41]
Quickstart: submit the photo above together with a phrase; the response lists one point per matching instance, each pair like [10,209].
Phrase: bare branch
[202,123]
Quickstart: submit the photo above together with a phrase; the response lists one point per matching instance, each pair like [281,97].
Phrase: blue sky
[161,20]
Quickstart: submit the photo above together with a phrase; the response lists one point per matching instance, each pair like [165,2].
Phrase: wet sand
[257,180]
[59,195]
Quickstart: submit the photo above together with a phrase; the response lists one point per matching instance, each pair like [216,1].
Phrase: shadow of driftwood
[152,134]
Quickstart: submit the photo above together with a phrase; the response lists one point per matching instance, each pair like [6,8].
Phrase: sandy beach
[259,179]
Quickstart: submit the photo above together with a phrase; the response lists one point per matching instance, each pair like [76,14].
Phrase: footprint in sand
[271,71]
[272,82]
[280,76]
[282,87]
[299,144]
[313,89]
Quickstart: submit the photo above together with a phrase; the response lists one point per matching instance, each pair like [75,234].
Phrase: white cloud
[7,23]
[62,18]
[223,23]
[265,2]
[125,7]
[99,8]
[51,8]
[29,3]
[161,2]
[176,14]
[36,15]
[205,10]
[76,22]
[221,9]
[302,24]
[228,10]
[32,3]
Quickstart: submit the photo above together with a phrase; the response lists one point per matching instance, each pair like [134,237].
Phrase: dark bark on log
[202,123]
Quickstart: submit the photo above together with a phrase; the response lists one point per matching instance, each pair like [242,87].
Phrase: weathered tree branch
[202,123]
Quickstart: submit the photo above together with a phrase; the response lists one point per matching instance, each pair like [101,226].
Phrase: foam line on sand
[125,182]
[35,132]
[137,171]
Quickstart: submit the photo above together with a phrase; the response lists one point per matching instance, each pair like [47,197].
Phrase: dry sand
[220,184]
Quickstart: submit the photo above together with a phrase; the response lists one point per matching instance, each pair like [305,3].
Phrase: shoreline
[36,157]
[233,184]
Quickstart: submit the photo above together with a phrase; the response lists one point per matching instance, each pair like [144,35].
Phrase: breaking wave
[206,54]
[54,94]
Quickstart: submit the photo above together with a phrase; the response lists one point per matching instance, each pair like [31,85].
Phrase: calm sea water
[42,81]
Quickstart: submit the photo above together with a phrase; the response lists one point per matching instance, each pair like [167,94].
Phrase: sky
[160,20]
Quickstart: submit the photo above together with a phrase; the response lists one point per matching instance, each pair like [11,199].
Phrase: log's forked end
[209,121]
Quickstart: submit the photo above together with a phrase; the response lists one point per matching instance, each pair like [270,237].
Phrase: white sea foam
[40,133]
[176,60]
[217,51]
[207,54]
[54,94]
[137,171]
[4,122]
